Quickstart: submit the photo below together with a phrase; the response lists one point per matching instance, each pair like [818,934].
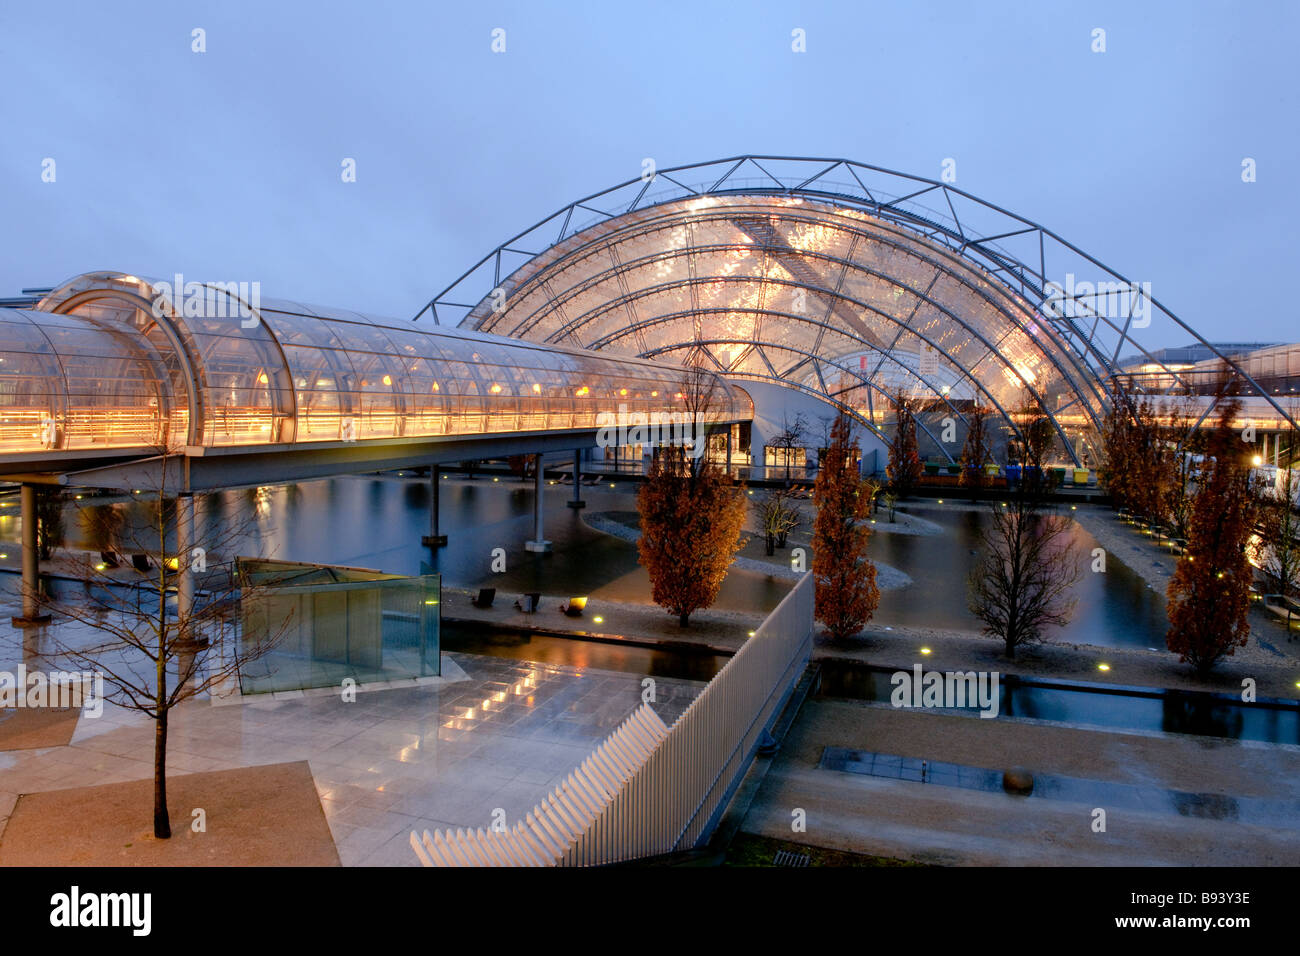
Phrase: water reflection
[544,649]
[1114,609]
[1171,711]
[377,522]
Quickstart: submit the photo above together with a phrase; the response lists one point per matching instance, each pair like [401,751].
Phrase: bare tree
[152,658]
[788,439]
[778,515]
[1020,587]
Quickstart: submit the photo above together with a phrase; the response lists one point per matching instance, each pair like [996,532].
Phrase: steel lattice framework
[848,281]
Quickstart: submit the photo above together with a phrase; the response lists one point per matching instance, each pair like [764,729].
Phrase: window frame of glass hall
[844,280]
[99,345]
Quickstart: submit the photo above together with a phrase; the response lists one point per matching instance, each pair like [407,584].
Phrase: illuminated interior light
[388,380]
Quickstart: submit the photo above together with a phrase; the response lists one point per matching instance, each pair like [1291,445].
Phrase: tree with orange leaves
[977,452]
[691,513]
[1209,595]
[905,468]
[847,594]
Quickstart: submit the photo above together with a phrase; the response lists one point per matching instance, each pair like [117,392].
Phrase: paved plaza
[491,735]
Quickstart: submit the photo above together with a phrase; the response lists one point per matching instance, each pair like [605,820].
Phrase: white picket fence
[648,789]
[545,836]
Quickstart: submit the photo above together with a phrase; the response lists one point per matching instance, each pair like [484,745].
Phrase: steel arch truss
[786,269]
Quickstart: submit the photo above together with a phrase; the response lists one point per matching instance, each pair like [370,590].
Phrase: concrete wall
[776,406]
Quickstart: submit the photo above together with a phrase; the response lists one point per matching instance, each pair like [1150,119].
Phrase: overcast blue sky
[226,164]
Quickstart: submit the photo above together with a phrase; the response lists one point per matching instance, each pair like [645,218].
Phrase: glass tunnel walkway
[110,362]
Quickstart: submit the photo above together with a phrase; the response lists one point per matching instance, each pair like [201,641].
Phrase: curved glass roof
[836,278]
[95,367]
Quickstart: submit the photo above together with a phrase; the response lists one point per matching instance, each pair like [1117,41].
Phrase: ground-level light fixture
[925,650]
[598,619]
[1103,667]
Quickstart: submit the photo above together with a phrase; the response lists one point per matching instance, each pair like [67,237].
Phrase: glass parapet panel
[321,633]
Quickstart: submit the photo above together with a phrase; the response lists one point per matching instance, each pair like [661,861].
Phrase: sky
[228,164]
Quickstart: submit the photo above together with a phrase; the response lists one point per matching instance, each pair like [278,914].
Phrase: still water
[376,522]
[1113,609]
[1170,711]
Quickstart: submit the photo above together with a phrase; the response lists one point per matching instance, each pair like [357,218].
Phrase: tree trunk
[771,545]
[682,619]
[1011,649]
[162,828]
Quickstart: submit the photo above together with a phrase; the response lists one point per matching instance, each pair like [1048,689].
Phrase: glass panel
[318,625]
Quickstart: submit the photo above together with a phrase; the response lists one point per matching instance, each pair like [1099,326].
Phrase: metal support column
[434,539]
[31,563]
[185,562]
[539,542]
[577,501]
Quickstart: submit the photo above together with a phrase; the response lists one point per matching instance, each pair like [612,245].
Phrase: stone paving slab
[392,761]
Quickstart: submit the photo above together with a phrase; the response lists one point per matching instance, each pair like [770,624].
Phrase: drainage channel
[1207,714]
[1098,793]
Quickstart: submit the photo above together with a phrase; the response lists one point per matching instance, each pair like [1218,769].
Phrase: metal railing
[647,790]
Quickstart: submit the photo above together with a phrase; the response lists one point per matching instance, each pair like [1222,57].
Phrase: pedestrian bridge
[110,370]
